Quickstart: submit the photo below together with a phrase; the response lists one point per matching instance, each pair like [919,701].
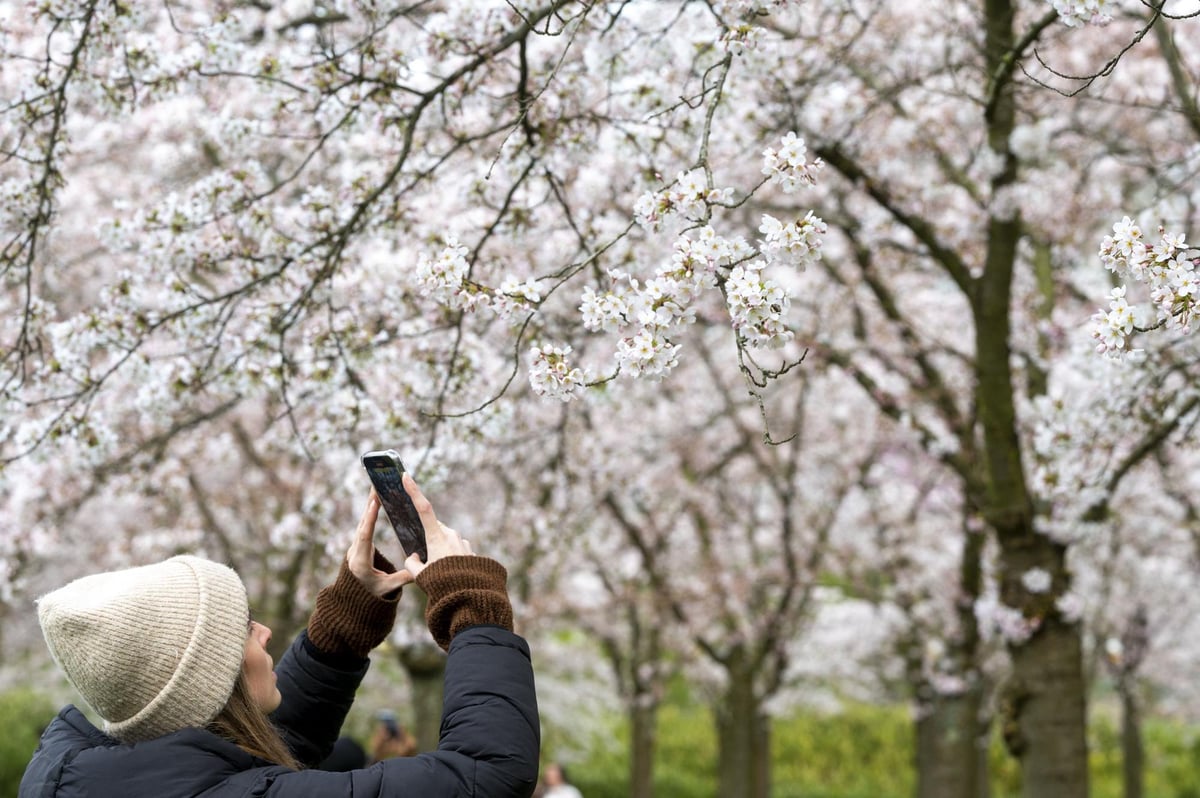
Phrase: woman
[169,658]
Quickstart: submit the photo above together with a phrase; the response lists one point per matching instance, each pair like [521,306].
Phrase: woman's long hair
[244,724]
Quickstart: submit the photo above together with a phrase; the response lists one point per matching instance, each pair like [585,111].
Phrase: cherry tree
[334,224]
[323,215]
[963,188]
[923,558]
[703,545]
[1134,574]
[326,168]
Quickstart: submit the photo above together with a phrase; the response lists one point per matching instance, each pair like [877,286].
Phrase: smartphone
[384,469]
[388,719]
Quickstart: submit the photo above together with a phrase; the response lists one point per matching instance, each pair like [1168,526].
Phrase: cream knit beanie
[152,649]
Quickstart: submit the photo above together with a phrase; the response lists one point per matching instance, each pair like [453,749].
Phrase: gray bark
[426,667]
[643,742]
[948,735]
[743,732]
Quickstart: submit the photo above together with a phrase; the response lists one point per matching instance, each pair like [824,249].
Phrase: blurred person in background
[390,738]
[169,658]
[555,783]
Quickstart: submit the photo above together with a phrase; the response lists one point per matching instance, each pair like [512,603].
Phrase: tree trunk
[1045,713]
[1044,703]
[948,737]
[643,742]
[743,737]
[1133,755]
[983,773]
[426,667]
[951,731]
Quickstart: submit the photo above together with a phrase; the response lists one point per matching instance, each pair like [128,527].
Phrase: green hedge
[865,752]
[860,753]
[23,715]
[1172,765]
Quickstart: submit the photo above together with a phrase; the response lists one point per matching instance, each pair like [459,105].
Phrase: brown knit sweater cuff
[350,620]
[464,591]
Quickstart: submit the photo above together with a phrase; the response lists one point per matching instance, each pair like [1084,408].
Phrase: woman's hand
[440,540]
[361,556]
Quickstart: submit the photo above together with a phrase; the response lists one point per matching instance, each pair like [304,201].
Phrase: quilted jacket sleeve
[489,741]
[316,699]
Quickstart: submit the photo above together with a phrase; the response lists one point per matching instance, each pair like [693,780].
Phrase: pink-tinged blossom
[1110,328]
[441,275]
[552,375]
[687,199]
[648,353]
[1084,12]
[758,306]
[740,38]
[1165,268]
[1037,580]
[1070,606]
[796,244]
[789,167]
[1010,624]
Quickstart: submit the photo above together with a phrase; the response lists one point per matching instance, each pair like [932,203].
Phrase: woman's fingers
[440,540]
[413,565]
[362,548]
[424,508]
[400,579]
[361,555]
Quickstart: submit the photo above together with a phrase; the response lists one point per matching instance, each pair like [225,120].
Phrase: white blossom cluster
[514,294]
[647,313]
[18,204]
[649,352]
[795,244]
[1082,431]
[688,198]
[789,167]
[1166,268]
[1037,580]
[1070,606]
[1083,12]
[749,8]
[270,211]
[758,305]
[740,38]
[998,619]
[1068,433]
[441,276]
[1111,327]
[551,373]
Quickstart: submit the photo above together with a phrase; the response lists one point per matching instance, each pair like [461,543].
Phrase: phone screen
[384,470]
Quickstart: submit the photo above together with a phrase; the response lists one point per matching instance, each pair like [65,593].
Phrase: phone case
[384,469]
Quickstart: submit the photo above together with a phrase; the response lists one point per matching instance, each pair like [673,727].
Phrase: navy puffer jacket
[488,747]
